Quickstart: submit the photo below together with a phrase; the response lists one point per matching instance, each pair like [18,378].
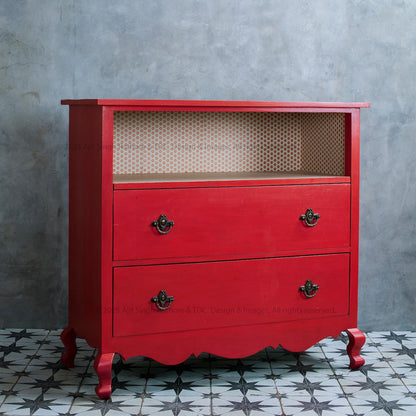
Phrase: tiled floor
[33,380]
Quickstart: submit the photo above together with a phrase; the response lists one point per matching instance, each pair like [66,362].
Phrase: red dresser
[223,227]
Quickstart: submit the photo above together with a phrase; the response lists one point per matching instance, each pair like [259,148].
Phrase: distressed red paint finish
[237,260]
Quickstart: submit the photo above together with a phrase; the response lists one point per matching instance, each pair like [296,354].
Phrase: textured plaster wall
[321,50]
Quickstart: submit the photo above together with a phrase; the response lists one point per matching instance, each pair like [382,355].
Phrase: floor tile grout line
[149,366]
[388,362]
[275,384]
[337,379]
[26,366]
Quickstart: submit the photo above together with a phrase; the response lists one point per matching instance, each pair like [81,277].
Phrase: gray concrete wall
[321,50]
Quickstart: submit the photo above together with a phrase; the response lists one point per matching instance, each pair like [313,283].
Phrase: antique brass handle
[310,218]
[309,289]
[163,225]
[162,300]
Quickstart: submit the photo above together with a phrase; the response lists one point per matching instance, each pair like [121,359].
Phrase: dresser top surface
[213,104]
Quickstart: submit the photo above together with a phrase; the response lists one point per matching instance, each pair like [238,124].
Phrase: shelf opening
[148,144]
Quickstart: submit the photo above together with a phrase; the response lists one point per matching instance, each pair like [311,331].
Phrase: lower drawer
[229,293]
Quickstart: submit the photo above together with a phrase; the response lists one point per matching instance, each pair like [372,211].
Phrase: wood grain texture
[236,220]
[231,293]
[201,105]
[85,226]
[234,260]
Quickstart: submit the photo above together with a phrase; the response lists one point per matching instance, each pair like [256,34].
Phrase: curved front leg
[357,340]
[68,338]
[102,366]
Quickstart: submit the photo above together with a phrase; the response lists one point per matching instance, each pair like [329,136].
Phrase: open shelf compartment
[152,146]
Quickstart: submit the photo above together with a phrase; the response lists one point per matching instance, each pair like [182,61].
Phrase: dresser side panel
[355,206]
[106,228]
[84,256]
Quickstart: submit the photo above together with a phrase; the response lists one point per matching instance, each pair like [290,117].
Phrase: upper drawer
[260,220]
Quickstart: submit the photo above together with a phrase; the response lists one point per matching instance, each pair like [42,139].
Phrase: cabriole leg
[357,340]
[102,366]
[68,338]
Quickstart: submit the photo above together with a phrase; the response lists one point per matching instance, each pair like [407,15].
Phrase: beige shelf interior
[212,176]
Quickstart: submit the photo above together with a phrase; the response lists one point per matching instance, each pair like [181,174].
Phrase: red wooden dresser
[211,226]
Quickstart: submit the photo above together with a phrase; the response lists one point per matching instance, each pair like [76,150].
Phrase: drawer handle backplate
[309,289]
[162,300]
[163,225]
[310,218]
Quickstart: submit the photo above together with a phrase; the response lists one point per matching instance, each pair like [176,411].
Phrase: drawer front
[231,293]
[235,220]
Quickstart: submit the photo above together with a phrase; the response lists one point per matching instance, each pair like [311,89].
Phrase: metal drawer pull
[163,225]
[310,218]
[309,289]
[162,300]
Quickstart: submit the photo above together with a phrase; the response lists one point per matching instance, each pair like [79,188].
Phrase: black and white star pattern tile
[34,381]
